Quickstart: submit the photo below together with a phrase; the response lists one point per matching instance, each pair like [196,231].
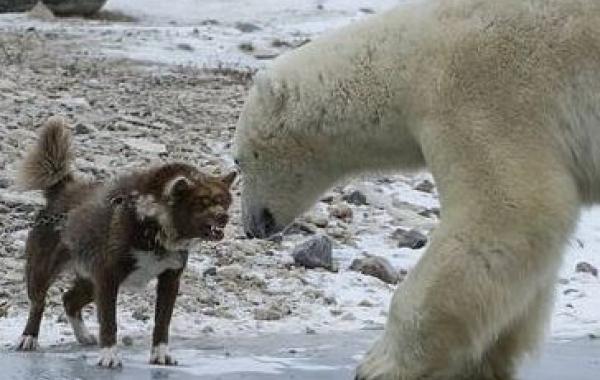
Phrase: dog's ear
[229,178]
[176,187]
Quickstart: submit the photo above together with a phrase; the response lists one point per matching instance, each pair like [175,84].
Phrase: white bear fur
[501,101]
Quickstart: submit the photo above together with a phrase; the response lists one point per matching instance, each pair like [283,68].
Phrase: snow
[158,36]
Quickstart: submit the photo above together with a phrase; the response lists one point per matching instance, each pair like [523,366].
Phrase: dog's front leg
[107,287]
[166,293]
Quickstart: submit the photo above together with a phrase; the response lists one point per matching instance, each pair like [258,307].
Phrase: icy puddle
[315,357]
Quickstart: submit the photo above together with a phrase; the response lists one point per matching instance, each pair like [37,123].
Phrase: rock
[310,331]
[62,318]
[365,303]
[366,10]
[247,27]
[4,183]
[329,300]
[341,211]
[336,312]
[230,272]
[83,129]
[376,266]
[428,213]
[185,47]
[356,198]
[4,306]
[265,54]
[327,199]
[584,267]
[373,327]
[299,228]
[278,43]
[7,85]
[318,219]
[348,317]
[209,21]
[246,46]
[145,145]
[16,5]
[412,239]
[140,314]
[127,341]
[41,12]
[425,186]
[315,252]
[271,313]
[212,271]
[208,330]
[74,7]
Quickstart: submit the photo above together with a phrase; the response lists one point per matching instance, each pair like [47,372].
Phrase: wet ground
[315,357]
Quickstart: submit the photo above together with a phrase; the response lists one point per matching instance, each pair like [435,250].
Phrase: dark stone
[315,252]
[209,21]
[356,198]
[247,27]
[184,46]
[17,5]
[74,7]
[246,46]
[376,266]
[212,271]
[430,212]
[4,182]
[82,129]
[412,239]
[425,186]
[584,267]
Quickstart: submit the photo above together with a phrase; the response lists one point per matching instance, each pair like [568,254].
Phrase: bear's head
[284,164]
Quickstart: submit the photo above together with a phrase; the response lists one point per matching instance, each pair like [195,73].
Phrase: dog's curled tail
[49,162]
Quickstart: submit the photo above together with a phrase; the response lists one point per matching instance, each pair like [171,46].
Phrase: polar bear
[501,101]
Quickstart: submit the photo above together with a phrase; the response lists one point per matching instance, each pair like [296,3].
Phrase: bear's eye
[255,155]
[236,161]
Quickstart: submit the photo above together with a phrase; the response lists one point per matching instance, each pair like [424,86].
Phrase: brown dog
[121,233]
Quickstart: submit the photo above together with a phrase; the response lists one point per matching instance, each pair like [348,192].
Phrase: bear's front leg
[462,304]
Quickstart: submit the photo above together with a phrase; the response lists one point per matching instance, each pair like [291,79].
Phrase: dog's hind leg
[80,294]
[41,270]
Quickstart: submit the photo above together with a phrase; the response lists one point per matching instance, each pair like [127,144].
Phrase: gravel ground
[128,114]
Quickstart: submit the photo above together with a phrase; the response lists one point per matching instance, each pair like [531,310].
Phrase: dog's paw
[27,343]
[160,355]
[82,334]
[109,358]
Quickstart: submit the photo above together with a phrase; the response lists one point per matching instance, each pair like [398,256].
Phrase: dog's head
[198,205]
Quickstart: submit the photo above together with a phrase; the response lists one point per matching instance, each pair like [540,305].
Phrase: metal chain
[58,220]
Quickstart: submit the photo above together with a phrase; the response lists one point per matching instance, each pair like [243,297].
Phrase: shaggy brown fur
[121,233]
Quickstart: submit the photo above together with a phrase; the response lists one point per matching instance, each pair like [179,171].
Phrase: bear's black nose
[262,225]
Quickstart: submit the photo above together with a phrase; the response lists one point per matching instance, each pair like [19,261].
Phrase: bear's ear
[273,91]
[177,186]
[229,178]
